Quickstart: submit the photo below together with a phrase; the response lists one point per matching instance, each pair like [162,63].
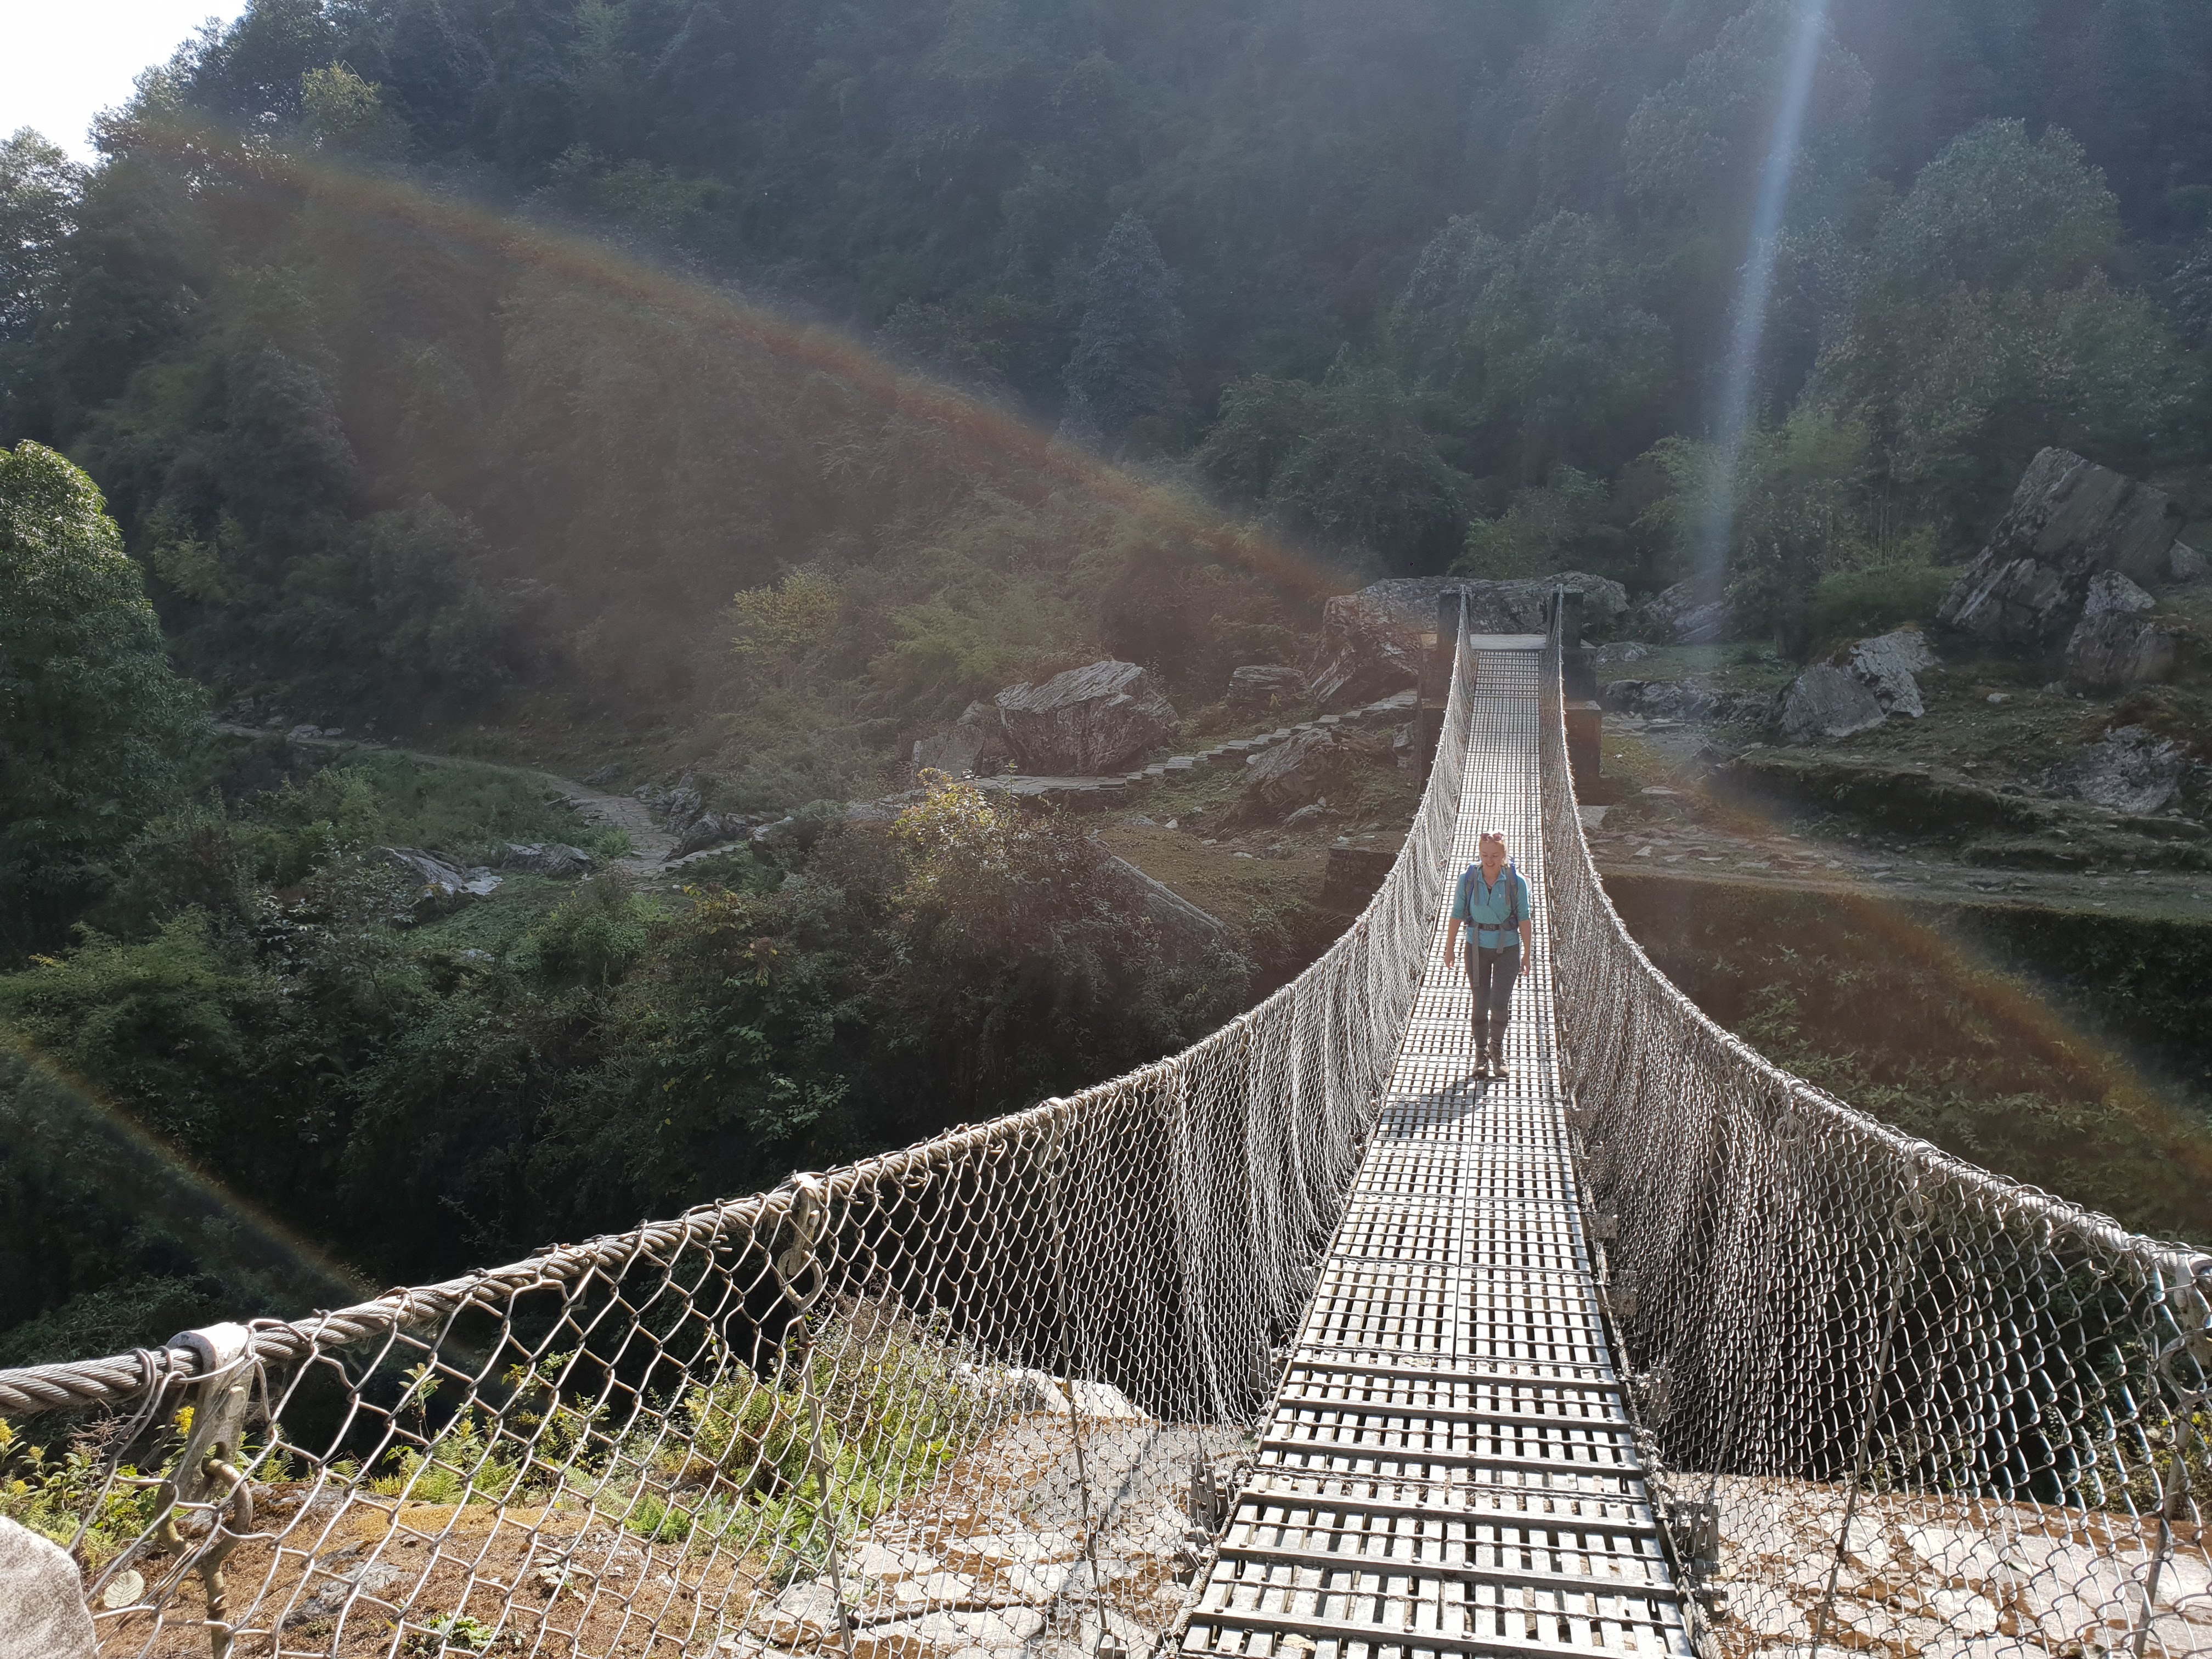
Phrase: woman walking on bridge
[1493,904]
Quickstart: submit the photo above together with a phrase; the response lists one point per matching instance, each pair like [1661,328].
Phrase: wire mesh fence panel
[1933,1411]
[990,1392]
[969,1395]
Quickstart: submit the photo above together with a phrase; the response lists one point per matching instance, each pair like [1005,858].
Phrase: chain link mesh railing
[989,1392]
[1930,1411]
[981,1393]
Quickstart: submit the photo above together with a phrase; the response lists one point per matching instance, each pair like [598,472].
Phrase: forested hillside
[321,326]
[479,369]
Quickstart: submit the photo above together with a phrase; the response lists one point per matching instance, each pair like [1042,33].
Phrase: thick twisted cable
[1574,876]
[1394,918]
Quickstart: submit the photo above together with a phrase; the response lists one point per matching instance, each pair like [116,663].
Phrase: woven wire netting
[1932,1411]
[989,1392]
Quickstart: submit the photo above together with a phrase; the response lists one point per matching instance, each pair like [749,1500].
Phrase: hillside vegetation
[744,386]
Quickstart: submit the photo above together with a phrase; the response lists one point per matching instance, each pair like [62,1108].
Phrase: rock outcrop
[1368,649]
[1676,700]
[1279,780]
[2069,520]
[1087,721]
[1886,666]
[711,829]
[678,804]
[547,858]
[1826,703]
[440,885]
[1371,640]
[2117,646]
[1682,614]
[2128,770]
[2183,564]
[46,1617]
[1257,688]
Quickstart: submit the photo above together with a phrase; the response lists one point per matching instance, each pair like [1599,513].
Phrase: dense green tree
[38,191]
[1985,324]
[1559,525]
[1353,464]
[1997,210]
[1803,506]
[1543,340]
[1695,148]
[93,723]
[1125,385]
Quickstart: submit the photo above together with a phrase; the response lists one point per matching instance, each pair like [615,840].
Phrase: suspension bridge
[1302,1342]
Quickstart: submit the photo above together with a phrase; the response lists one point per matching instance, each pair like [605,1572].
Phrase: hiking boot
[1480,1071]
[1498,1064]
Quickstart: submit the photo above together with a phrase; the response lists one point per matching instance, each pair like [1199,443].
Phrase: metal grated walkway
[1449,1469]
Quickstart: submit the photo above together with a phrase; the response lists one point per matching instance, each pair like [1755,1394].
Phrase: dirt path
[649,843]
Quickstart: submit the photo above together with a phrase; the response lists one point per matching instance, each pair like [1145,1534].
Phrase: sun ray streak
[1754,292]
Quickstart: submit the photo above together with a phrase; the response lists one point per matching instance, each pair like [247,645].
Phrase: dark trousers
[1491,973]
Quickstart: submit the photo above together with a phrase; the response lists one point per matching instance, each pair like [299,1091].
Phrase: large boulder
[440,884]
[976,744]
[2183,564]
[2117,645]
[1368,647]
[1677,700]
[1257,688]
[42,1598]
[2069,520]
[2117,652]
[711,829]
[1371,641]
[1687,615]
[547,858]
[1279,779]
[1825,702]
[678,804]
[1887,665]
[1518,607]
[2128,770]
[1088,721]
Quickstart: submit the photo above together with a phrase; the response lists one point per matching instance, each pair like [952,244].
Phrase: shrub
[1852,603]
[755,1435]
[50,1496]
[597,935]
[1560,526]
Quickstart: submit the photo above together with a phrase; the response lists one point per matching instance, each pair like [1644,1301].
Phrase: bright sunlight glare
[66,63]
[1756,289]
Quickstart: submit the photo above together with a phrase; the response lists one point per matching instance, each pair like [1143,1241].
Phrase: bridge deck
[1449,1470]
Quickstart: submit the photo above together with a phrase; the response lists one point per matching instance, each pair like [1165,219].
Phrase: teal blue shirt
[1495,912]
